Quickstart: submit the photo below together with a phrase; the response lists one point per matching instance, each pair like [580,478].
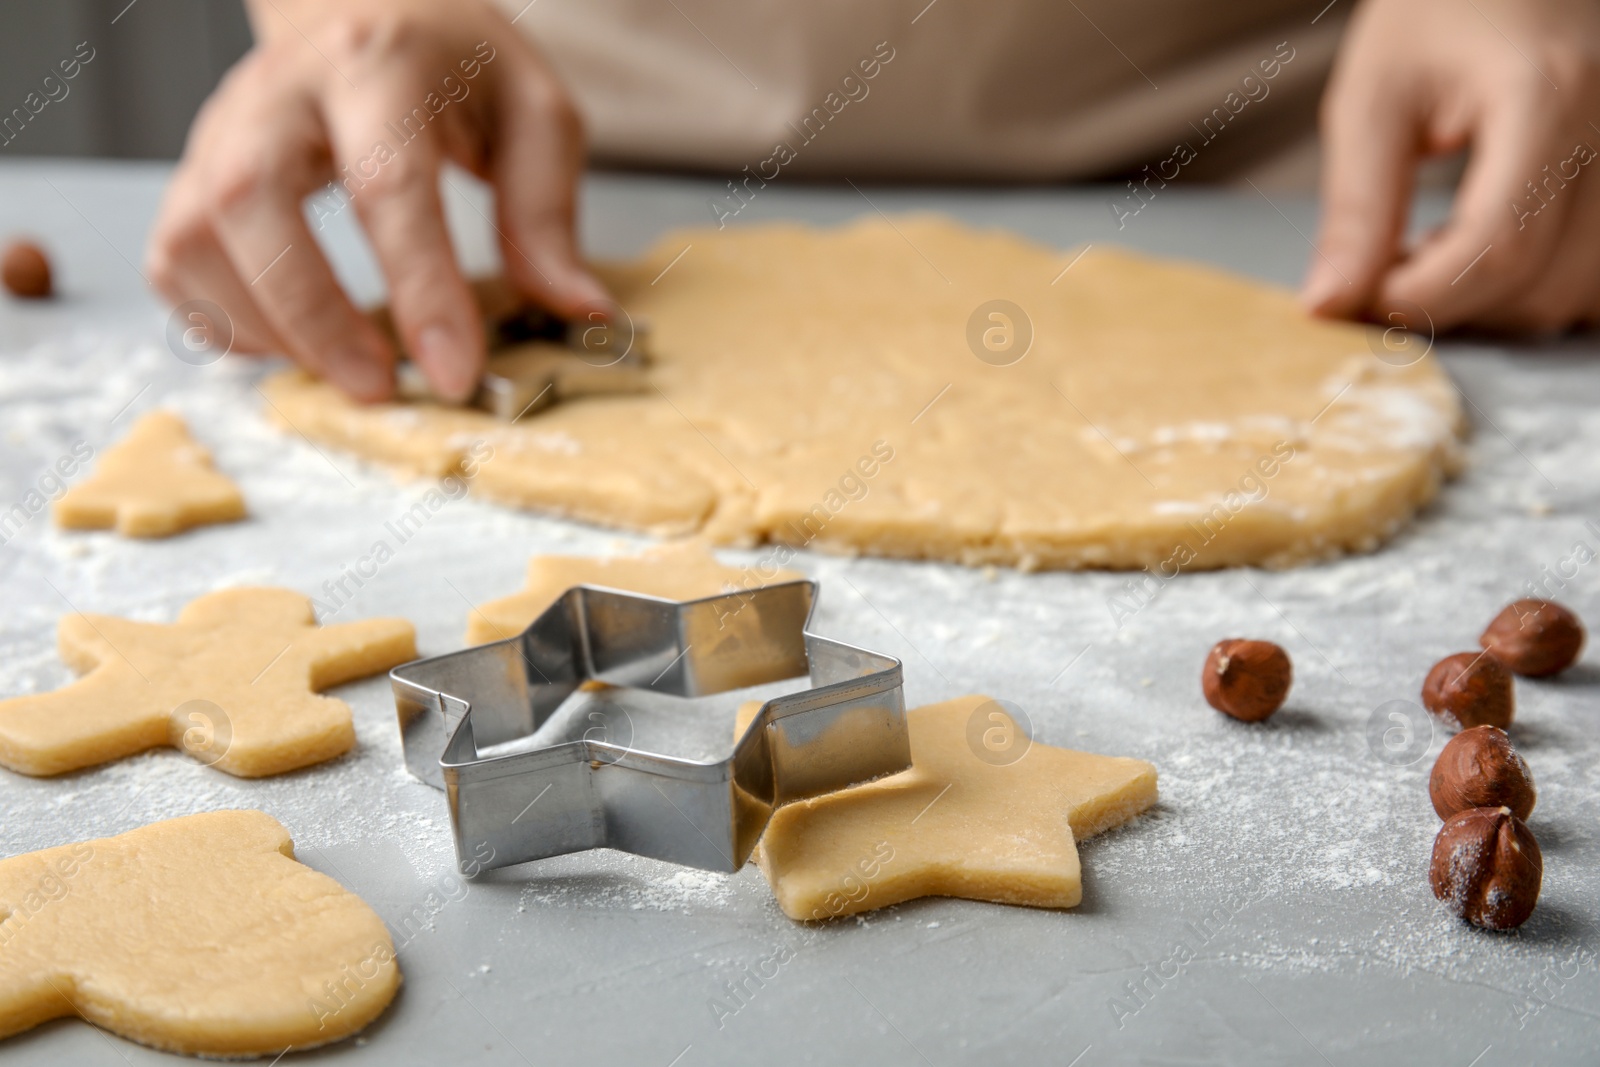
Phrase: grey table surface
[1273,909]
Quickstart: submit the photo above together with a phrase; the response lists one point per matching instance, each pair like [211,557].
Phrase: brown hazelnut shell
[1246,679]
[25,270]
[1478,768]
[1534,638]
[1470,689]
[1487,868]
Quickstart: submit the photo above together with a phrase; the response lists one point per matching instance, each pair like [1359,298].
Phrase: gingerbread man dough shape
[154,483]
[233,682]
[198,935]
[974,817]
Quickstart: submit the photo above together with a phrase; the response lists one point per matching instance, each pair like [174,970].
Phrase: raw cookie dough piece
[954,825]
[198,935]
[233,682]
[852,389]
[677,571]
[154,483]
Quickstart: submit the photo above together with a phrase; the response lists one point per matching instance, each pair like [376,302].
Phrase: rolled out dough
[825,388]
[198,935]
[683,571]
[955,824]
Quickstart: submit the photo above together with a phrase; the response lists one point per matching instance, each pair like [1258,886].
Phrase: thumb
[1371,147]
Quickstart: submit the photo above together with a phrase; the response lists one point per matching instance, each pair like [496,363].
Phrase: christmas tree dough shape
[839,388]
[154,483]
[953,825]
[683,571]
[200,935]
[233,682]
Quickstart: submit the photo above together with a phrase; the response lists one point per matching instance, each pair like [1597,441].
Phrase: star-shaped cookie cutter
[467,721]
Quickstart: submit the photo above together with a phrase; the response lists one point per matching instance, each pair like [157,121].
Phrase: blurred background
[154,63]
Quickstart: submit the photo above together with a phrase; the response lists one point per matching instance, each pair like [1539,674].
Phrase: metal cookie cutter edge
[466,719]
[536,360]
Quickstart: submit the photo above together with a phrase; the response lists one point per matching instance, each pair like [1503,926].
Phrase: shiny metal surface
[468,719]
[536,360]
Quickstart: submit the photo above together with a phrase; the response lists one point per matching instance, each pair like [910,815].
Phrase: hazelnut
[1478,768]
[1246,679]
[1487,868]
[1534,637]
[25,270]
[1470,689]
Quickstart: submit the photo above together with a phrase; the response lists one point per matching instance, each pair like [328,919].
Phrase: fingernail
[362,373]
[1320,291]
[588,290]
[447,364]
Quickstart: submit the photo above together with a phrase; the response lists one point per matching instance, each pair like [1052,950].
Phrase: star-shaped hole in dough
[969,819]
[154,483]
[200,935]
[682,571]
[233,682]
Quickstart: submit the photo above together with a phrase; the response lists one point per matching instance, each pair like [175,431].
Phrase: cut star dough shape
[233,682]
[954,825]
[154,483]
[684,571]
[1164,414]
[198,935]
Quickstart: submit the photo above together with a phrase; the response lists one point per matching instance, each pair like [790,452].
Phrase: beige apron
[957,89]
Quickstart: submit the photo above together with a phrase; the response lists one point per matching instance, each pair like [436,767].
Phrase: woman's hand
[373,95]
[1519,82]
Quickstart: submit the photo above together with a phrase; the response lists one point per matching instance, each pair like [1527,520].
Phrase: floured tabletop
[1272,909]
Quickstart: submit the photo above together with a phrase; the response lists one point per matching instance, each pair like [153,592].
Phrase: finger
[185,262]
[396,193]
[183,259]
[1489,250]
[258,173]
[535,170]
[1565,293]
[1367,180]
[205,273]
